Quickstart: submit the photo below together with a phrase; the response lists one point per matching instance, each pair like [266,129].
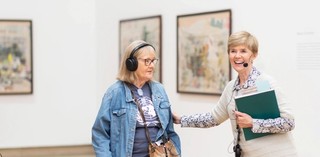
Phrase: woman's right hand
[176,118]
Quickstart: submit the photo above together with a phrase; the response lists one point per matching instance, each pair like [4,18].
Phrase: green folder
[260,105]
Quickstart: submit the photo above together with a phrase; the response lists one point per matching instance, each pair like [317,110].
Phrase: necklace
[140,92]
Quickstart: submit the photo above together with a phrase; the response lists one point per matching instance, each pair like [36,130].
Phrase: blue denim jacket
[114,128]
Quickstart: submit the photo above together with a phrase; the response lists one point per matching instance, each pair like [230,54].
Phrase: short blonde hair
[125,74]
[243,38]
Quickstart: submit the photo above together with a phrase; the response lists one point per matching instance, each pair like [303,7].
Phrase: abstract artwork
[16,57]
[203,66]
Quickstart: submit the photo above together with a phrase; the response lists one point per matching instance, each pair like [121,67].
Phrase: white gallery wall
[75,54]
[62,107]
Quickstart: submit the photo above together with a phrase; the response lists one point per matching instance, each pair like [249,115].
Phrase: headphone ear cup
[132,64]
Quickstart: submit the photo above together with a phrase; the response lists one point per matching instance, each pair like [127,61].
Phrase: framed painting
[147,29]
[16,57]
[202,60]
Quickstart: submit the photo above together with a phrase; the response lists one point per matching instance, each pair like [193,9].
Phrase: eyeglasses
[148,61]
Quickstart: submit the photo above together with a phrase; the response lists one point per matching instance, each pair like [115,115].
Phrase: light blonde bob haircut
[124,74]
[243,38]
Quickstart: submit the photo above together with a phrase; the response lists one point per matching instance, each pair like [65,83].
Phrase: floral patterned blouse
[277,125]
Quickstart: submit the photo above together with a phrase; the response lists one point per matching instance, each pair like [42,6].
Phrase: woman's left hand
[243,120]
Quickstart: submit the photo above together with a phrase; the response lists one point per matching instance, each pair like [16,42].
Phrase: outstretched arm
[203,120]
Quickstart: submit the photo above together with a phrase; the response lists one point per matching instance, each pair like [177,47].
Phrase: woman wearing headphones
[134,109]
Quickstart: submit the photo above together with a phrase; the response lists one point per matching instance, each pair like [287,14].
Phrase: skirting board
[79,150]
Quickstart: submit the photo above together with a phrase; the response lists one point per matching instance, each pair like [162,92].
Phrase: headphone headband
[139,47]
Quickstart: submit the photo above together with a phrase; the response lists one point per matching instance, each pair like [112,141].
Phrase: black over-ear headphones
[132,62]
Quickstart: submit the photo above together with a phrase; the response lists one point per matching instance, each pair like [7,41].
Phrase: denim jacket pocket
[164,105]
[119,112]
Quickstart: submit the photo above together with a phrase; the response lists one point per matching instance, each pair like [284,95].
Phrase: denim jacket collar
[156,94]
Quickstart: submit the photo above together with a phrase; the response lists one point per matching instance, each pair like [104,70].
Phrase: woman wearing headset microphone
[242,50]
[120,129]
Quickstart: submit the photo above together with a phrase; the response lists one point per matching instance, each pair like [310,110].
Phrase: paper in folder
[260,105]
